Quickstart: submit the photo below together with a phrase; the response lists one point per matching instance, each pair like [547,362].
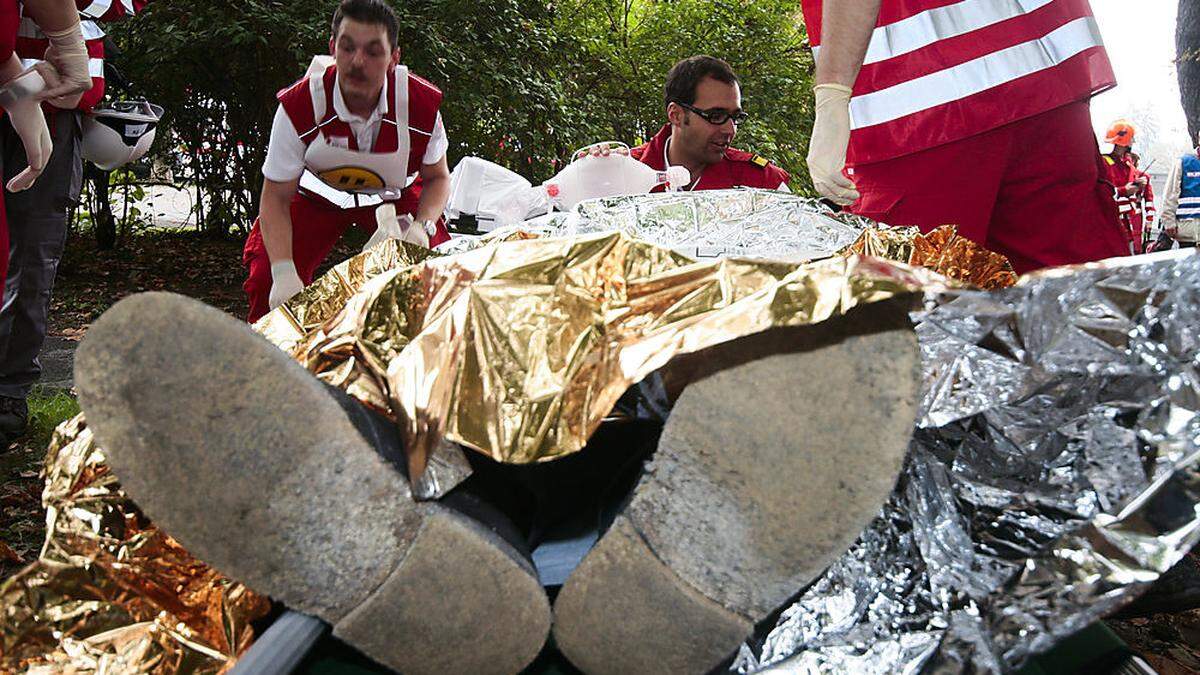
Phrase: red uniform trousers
[1034,190]
[316,227]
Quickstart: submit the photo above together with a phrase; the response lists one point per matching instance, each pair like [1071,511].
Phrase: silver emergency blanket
[1054,474]
[744,222]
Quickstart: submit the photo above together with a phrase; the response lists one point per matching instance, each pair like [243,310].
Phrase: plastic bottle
[607,170]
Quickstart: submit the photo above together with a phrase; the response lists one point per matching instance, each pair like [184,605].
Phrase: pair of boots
[780,450]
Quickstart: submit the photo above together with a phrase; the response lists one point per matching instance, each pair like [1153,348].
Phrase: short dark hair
[374,12]
[685,75]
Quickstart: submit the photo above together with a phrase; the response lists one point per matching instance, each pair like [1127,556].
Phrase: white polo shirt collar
[365,129]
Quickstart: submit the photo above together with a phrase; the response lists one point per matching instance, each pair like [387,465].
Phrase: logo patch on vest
[352,178]
[760,161]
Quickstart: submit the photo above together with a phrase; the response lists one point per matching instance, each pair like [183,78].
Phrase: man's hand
[830,138]
[390,226]
[285,282]
[419,233]
[66,67]
[30,125]
[1135,187]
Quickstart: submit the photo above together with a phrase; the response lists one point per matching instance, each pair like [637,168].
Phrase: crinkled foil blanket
[1054,473]
[519,349]
[111,593]
[1009,528]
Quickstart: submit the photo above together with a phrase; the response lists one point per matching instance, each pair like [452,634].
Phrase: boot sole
[783,448]
[250,462]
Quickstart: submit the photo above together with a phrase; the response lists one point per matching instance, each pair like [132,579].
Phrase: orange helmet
[1120,133]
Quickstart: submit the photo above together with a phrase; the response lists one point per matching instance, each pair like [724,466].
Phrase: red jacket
[31,43]
[939,71]
[1134,209]
[738,169]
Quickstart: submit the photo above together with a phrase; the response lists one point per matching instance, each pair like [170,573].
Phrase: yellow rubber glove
[827,147]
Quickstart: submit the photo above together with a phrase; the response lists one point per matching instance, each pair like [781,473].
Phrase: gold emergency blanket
[517,348]
[942,251]
[110,592]
[520,348]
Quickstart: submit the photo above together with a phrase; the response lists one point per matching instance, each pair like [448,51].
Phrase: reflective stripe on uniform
[95,66]
[28,29]
[975,76]
[1189,207]
[97,8]
[940,23]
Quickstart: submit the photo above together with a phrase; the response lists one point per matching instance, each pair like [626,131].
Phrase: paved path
[58,363]
[169,207]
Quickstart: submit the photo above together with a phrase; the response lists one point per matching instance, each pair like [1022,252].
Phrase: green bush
[624,50]
[526,81]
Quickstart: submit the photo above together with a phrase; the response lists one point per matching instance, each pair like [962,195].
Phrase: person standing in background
[1129,184]
[931,112]
[1180,219]
[37,217]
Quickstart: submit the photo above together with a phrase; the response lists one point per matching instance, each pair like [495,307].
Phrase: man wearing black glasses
[704,109]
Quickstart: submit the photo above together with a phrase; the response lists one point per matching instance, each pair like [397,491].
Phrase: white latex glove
[67,74]
[387,225]
[830,138]
[285,282]
[30,125]
[415,234]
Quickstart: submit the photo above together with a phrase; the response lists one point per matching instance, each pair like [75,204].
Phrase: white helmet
[121,133]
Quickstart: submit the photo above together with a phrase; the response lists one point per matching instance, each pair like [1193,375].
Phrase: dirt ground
[89,282]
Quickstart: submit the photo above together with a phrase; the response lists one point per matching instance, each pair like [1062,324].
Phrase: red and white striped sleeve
[109,10]
[32,43]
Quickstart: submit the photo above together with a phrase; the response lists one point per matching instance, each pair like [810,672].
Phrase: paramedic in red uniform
[969,113]
[1129,185]
[65,72]
[363,125]
[704,109]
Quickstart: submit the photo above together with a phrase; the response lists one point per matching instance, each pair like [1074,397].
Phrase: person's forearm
[275,221]
[52,16]
[435,191]
[846,27]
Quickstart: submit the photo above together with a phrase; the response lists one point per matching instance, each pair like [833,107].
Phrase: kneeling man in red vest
[346,138]
[704,108]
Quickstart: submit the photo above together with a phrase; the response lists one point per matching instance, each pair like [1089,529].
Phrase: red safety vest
[938,71]
[309,106]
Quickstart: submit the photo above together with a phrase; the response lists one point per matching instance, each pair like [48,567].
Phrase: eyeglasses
[716,117]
